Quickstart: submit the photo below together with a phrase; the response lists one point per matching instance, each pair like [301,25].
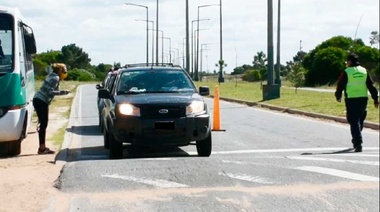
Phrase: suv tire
[106,139]
[116,148]
[204,146]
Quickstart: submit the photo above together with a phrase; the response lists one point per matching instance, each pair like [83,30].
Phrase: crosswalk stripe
[339,173]
[373,163]
[255,179]
[279,150]
[155,182]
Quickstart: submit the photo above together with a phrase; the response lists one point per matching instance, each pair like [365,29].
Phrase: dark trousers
[42,110]
[356,113]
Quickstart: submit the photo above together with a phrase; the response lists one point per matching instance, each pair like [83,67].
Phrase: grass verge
[308,101]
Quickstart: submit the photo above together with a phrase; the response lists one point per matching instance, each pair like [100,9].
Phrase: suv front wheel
[116,148]
[204,146]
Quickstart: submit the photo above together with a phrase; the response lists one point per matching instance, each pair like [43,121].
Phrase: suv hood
[159,98]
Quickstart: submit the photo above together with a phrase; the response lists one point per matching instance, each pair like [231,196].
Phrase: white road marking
[280,150]
[339,173]
[155,182]
[373,163]
[235,162]
[376,155]
[248,178]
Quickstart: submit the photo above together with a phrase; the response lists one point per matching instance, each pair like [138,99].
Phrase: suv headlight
[195,107]
[129,110]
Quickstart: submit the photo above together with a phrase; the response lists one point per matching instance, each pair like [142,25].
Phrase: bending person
[42,100]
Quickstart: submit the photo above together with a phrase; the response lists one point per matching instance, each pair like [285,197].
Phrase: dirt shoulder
[27,180]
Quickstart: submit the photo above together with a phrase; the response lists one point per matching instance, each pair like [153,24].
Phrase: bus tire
[14,148]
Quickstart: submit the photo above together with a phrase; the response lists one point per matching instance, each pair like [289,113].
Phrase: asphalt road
[264,161]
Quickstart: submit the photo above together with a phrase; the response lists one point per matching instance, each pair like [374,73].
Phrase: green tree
[259,63]
[74,57]
[238,70]
[326,61]
[328,64]
[39,68]
[374,39]
[375,74]
[299,56]
[297,75]
[80,75]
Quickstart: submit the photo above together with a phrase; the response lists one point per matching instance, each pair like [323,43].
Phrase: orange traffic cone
[216,116]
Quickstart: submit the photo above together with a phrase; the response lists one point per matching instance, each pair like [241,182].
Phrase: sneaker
[359,149]
[45,151]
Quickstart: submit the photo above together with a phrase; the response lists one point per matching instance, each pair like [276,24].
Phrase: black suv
[155,105]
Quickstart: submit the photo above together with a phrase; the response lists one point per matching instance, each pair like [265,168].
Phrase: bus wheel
[9,149]
[14,148]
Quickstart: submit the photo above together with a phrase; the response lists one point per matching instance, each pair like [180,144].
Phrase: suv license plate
[164,125]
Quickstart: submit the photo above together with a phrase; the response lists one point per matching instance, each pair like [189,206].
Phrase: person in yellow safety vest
[356,82]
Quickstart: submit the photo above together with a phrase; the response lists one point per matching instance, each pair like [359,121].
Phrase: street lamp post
[147,28]
[201,61]
[170,48]
[270,90]
[196,51]
[196,78]
[176,58]
[192,44]
[187,39]
[278,67]
[183,55]
[162,45]
[152,36]
[221,62]
[157,34]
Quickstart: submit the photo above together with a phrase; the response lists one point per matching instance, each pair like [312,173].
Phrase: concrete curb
[61,157]
[371,125]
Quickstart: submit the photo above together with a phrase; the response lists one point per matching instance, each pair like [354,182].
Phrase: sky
[110,31]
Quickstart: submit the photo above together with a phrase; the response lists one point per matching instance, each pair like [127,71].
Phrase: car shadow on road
[85,130]
[344,151]
[129,152]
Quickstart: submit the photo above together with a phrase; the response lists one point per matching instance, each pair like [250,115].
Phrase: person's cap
[354,58]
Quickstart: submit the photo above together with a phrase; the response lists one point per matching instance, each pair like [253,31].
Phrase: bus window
[6,44]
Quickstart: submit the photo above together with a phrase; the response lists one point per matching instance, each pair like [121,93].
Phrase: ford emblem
[163,111]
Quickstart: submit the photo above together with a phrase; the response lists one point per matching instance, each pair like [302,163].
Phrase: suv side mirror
[104,94]
[204,90]
[98,86]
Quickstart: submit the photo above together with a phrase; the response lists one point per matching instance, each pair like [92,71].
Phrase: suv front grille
[162,112]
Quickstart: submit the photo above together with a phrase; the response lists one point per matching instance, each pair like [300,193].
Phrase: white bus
[17,85]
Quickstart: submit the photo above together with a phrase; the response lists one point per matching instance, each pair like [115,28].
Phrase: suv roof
[151,65]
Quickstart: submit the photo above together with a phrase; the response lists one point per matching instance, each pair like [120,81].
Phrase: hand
[64,92]
[376,105]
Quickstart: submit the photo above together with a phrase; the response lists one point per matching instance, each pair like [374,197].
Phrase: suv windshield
[154,81]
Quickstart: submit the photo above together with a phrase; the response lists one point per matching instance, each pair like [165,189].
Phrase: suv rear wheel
[204,147]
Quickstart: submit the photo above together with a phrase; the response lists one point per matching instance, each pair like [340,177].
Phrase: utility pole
[187,38]
[157,33]
[278,67]
[270,90]
[221,77]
